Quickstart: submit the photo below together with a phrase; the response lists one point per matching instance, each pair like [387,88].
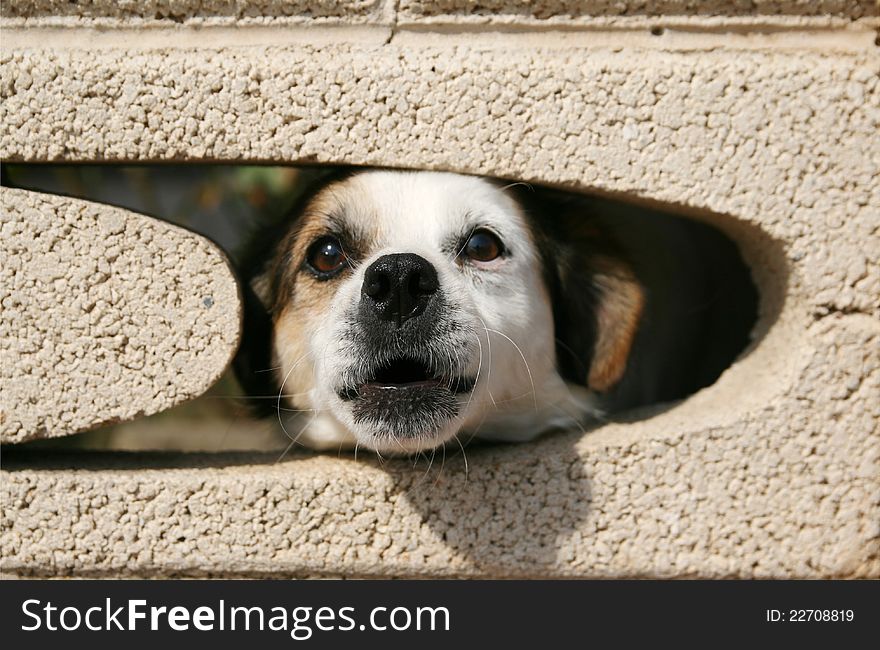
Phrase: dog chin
[406,418]
[377,438]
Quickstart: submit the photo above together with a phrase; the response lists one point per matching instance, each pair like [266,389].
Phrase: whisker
[430,464]
[524,184]
[281,391]
[286,449]
[253,396]
[523,357]
[576,421]
[400,444]
[512,399]
[489,370]
[479,369]
[463,246]
[464,457]
[440,473]
[295,438]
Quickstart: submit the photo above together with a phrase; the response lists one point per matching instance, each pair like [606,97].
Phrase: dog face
[406,307]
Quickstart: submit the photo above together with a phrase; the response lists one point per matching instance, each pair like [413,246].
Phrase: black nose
[398,287]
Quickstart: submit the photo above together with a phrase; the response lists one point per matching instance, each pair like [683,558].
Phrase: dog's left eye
[483,246]
[326,256]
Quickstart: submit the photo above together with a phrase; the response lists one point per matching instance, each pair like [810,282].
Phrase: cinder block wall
[763,121]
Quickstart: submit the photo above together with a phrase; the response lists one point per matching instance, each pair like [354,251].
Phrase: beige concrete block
[501,11]
[107,315]
[200,11]
[772,471]
[707,489]
[406,11]
[669,24]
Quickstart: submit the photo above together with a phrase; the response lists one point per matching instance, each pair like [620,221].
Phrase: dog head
[403,307]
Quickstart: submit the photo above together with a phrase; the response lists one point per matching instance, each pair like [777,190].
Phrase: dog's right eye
[483,246]
[326,257]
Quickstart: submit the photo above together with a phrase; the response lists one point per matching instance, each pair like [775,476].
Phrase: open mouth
[405,375]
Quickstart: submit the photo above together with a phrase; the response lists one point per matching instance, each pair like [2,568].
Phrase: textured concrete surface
[351,11]
[107,315]
[572,11]
[406,10]
[771,492]
[773,471]
[194,23]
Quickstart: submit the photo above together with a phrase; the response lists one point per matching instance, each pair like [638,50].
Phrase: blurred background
[225,203]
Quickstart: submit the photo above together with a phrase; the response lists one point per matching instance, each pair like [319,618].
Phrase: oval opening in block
[585,308]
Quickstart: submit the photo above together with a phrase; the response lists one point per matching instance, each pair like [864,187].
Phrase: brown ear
[618,304]
[597,302]
[597,298]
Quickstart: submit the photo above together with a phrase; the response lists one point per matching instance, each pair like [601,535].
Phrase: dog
[398,311]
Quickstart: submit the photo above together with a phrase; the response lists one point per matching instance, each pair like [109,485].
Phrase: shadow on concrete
[506,510]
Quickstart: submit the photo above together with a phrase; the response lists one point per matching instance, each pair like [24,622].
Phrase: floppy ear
[597,300]
[619,301]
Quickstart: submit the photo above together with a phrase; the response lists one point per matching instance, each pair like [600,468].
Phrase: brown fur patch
[294,368]
[298,301]
[330,212]
[619,307]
